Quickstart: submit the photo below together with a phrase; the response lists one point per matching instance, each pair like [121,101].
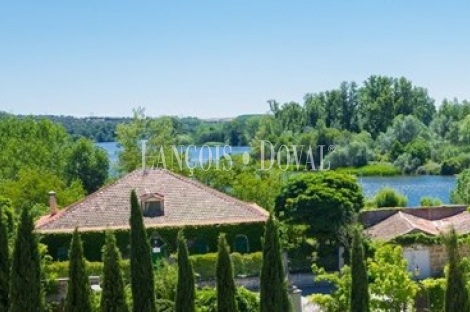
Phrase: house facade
[169,203]
[425,257]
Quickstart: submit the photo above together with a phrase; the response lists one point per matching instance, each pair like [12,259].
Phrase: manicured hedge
[204,266]
[93,242]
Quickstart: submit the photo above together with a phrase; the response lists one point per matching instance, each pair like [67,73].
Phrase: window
[241,244]
[152,205]
[153,209]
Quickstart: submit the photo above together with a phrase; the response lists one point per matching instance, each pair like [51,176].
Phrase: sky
[220,58]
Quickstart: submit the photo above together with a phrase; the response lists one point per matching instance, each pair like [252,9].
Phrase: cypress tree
[359,295]
[113,298]
[273,288]
[78,289]
[142,279]
[456,296]
[4,263]
[185,289]
[25,287]
[226,290]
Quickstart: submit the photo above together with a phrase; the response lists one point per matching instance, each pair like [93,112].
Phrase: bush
[434,290]
[388,197]
[430,168]
[430,202]
[204,266]
[247,301]
[247,264]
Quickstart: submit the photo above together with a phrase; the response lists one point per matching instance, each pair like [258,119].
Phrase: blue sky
[220,58]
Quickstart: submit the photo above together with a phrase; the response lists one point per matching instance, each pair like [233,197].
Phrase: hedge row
[204,266]
[58,243]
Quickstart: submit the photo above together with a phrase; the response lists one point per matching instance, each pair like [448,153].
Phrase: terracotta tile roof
[186,202]
[402,223]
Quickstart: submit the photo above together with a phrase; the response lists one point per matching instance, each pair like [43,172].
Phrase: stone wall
[438,259]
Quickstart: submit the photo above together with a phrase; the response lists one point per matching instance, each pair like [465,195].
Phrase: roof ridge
[214,191]
[407,216]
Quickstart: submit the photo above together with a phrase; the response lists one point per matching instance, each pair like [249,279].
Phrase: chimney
[52,203]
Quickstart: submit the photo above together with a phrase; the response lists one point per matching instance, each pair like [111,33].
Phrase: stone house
[424,260]
[169,203]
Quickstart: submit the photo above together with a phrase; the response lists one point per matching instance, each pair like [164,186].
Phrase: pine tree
[185,289]
[273,288]
[226,290]
[359,296]
[142,279]
[4,263]
[456,295]
[113,298]
[25,287]
[78,291]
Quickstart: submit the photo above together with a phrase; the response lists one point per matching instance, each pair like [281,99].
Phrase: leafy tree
[185,291]
[113,297]
[391,280]
[88,164]
[388,197]
[4,262]
[33,186]
[273,285]
[142,278]
[456,295]
[461,192]
[359,279]
[226,290]
[322,202]
[160,134]
[338,299]
[25,278]
[78,291]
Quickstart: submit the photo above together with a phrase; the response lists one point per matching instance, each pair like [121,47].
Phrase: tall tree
[142,278]
[226,290]
[273,288]
[185,289]
[4,262]
[456,295]
[113,298]
[78,291]
[25,287]
[88,164]
[359,297]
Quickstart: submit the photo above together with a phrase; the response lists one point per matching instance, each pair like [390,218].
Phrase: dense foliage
[78,290]
[185,289]
[273,283]
[4,262]
[112,296]
[142,281]
[25,276]
[359,297]
[226,290]
[456,294]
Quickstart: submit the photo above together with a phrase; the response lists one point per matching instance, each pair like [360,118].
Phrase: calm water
[414,187]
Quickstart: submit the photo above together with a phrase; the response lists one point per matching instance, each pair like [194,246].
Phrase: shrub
[203,265]
[430,202]
[247,301]
[388,197]
[430,168]
[377,169]
[434,290]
